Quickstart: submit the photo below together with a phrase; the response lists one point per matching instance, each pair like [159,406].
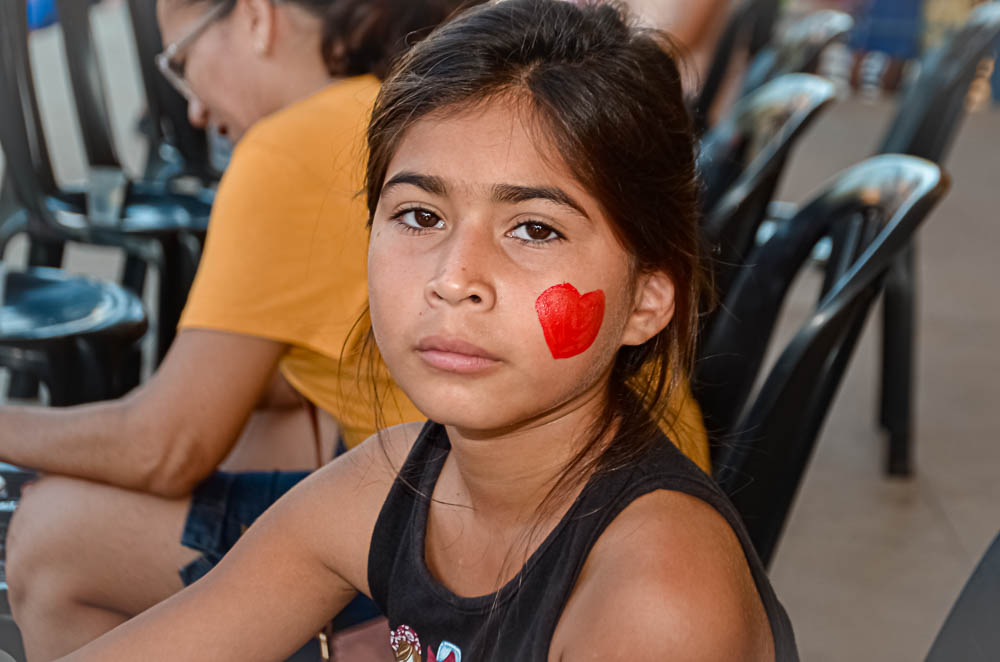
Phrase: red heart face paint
[570,321]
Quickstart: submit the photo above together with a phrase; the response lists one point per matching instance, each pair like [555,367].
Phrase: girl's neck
[491,507]
[506,475]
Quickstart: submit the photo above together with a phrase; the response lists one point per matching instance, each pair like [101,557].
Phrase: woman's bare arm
[165,436]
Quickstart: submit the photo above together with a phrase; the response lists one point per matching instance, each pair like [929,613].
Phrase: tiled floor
[868,566]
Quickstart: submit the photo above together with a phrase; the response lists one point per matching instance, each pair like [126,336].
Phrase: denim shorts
[224,505]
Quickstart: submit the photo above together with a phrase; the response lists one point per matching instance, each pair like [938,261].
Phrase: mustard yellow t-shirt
[285,254]
[683,423]
[285,259]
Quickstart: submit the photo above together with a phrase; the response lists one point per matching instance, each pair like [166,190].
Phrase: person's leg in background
[83,557]
[887,34]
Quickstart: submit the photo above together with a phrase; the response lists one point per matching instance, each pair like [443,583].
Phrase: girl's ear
[652,310]
[260,17]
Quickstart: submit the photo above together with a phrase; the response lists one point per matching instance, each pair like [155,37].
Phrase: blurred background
[872,555]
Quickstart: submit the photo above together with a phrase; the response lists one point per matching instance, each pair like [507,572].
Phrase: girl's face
[478,235]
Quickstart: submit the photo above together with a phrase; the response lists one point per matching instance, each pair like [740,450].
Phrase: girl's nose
[463,275]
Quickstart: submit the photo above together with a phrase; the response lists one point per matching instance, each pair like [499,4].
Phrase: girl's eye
[534,232]
[419,219]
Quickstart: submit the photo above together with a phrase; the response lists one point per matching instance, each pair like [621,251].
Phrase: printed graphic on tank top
[406,647]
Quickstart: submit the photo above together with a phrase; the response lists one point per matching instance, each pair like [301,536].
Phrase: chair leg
[180,262]
[45,252]
[134,275]
[898,342]
[22,386]
[62,375]
[119,366]
[128,370]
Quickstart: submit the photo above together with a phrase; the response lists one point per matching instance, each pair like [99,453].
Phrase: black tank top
[430,623]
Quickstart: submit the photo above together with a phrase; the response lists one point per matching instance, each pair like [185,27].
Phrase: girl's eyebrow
[429,183]
[512,193]
[507,193]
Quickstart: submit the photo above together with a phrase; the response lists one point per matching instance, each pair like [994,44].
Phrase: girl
[533,277]
[145,493]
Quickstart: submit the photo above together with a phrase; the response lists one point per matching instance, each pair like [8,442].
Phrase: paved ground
[868,566]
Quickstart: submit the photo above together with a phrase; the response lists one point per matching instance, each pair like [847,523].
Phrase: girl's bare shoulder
[674,566]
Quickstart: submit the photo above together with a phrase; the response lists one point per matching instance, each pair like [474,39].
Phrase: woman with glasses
[265,375]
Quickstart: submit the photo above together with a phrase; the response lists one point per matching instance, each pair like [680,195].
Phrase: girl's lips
[455,355]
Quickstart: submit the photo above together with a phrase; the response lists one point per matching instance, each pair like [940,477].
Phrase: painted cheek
[570,321]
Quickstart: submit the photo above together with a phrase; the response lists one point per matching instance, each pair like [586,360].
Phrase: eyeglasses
[169,62]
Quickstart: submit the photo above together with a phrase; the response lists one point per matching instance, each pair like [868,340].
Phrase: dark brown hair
[608,97]
[365,36]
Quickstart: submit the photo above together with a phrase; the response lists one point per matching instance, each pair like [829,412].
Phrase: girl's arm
[667,580]
[293,570]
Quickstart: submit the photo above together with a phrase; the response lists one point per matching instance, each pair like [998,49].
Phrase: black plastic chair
[749,28]
[93,114]
[741,161]
[70,332]
[970,632]
[161,230]
[12,218]
[176,148]
[761,450]
[798,48]
[927,120]
[90,96]
[88,88]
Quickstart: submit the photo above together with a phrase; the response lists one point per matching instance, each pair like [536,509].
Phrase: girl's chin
[484,422]
[471,421]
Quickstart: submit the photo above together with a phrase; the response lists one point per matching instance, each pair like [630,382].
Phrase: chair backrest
[931,110]
[742,158]
[13,219]
[870,211]
[970,632]
[167,107]
[798,49]
[749,26]
[142,16]
[21,132]
[88,87]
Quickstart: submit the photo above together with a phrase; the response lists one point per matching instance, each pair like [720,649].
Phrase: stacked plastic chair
[796,50]
[927,120]
[160,229]
[762,443]
[741,161]
[750,27]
